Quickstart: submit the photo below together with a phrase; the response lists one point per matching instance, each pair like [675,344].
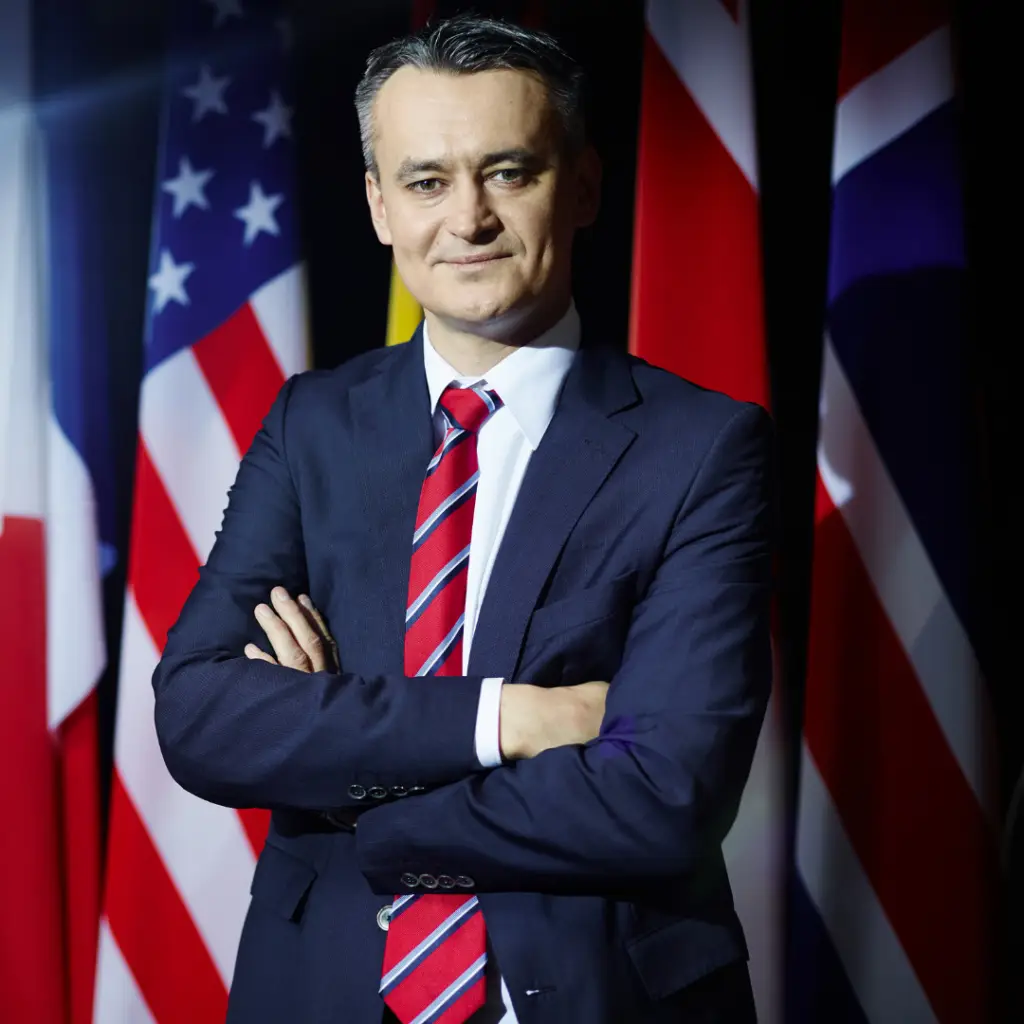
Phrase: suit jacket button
[357,792]
[428,881]
[410,880]
[446,881]
[465,882]
[377,792]
[399,791]
[384,917]
[417,789]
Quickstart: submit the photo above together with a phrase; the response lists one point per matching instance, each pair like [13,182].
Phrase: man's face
[477,194]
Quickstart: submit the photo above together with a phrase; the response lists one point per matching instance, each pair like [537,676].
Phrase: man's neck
[474,349]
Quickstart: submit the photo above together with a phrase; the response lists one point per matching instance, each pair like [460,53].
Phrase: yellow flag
[404,312]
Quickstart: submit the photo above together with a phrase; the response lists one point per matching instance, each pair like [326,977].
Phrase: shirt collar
[528,380]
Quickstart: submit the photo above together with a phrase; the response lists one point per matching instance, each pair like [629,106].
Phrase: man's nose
[470,214]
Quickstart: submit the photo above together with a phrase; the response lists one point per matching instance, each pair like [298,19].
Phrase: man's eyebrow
[410,168]
[518,155]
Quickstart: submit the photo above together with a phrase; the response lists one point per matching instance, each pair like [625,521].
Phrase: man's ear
[378,213]
[588,191]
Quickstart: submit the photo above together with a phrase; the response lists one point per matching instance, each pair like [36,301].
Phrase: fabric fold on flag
[51,626]
[697,310]
[891,912]
[226,326]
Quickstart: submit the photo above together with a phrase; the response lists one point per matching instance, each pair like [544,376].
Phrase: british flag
[225,328]
[895,851]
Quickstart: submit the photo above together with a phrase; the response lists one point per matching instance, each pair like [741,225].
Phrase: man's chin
[488,319]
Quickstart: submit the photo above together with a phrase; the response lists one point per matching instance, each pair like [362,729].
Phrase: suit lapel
[579,450]
[394,442]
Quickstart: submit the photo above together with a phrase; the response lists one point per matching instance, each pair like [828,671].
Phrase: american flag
[225,328]
[697,309]
[895,851]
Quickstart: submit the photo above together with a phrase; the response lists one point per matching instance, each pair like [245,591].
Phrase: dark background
[112,52]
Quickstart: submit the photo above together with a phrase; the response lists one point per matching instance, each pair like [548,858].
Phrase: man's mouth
[469,261]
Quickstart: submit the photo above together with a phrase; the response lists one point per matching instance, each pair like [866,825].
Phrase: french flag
[51,624]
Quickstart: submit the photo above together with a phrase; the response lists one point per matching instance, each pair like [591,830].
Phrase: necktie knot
[469,408]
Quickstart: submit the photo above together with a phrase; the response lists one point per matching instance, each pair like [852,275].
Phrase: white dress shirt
[528,382]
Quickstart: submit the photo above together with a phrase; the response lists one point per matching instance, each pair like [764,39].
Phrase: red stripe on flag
[79,759]
[245,377]
[32,983]
[917,828]
[163,569]
[876,32]
[153,929]
[164,566]
[256,823]
[242,372]
[696,305]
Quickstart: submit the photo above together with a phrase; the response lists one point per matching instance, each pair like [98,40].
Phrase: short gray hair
[467,44]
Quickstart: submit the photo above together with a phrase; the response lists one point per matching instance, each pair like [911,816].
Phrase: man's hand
[297,633]
[534,718]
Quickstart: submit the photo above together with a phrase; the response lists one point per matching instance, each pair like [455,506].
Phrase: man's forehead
[434,117]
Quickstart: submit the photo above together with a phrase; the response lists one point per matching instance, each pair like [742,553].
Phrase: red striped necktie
[436,946]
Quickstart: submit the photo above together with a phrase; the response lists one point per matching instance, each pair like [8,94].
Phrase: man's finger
[253,653]
[305,633]
[286,647]
[307,604]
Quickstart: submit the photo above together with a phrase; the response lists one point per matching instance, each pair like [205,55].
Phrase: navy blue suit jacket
[637,552]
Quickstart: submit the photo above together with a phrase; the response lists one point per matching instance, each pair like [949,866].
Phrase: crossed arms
[585,817]
[532,719]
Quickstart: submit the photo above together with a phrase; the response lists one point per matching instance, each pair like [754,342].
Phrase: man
[521,519]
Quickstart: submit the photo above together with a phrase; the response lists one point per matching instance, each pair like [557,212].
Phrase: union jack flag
[895,852]
[225,328]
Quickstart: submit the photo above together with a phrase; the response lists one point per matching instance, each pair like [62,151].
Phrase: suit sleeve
[658,790]
[250,734]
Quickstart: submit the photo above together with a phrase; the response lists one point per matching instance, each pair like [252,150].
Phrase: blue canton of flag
[226,216]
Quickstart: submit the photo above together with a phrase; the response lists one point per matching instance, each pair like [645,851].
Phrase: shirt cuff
[488,724]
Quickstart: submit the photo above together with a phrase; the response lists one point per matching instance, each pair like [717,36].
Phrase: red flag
[697,310]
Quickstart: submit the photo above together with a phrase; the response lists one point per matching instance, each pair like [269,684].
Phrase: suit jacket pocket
[678,954]
[282,882]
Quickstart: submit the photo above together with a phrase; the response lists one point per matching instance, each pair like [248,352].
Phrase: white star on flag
[226,9]
[208,94]
[258,213]
[276,120]
[169,281]
[187,187]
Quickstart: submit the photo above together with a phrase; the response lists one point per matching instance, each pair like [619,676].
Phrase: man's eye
[425,185]
[510,175]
